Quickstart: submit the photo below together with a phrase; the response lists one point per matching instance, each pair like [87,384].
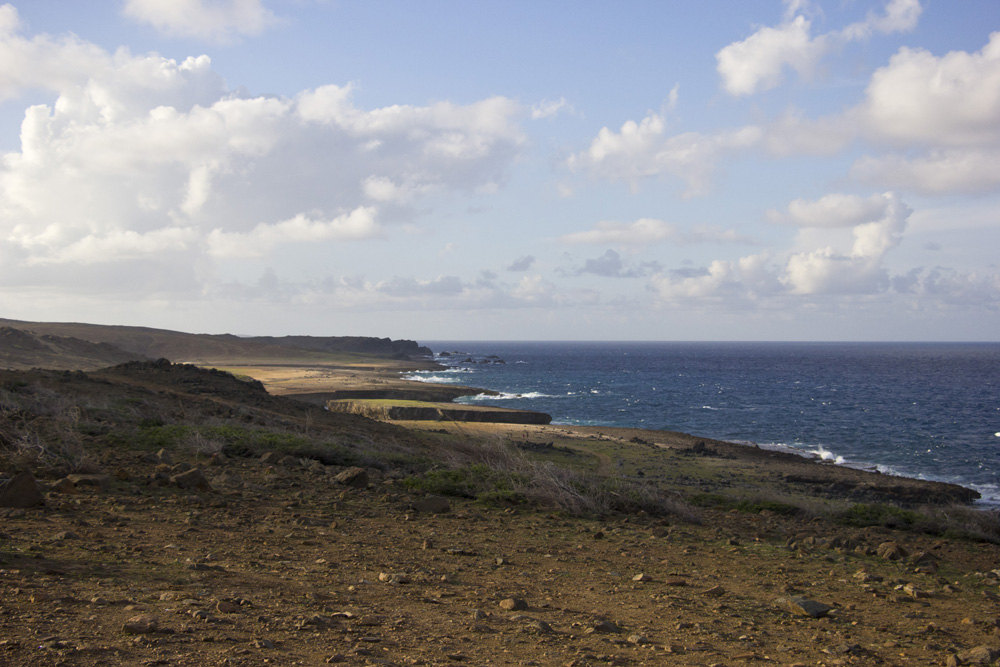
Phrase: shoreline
[978,498]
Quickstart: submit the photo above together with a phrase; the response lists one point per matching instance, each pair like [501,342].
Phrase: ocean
[925,410]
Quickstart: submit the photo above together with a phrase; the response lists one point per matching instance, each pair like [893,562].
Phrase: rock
[94,481]
[289,461]
[270,458]
[891,551]
[20,491]
[980,655]
[224,607]
[229,480]
[603,627]
[432,505]
[163,456]
[915,592]
[642,577]
[263,643]
[63,486]
[638,639]
[803,606]
[393,578]
[714,592]
[141,625]
[541,627]
[353,477]
[191,479]
[513,604]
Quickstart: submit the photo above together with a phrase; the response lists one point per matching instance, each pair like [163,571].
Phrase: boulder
[432,505]
[804,606]
[354,477]
[191,479]
[20,491]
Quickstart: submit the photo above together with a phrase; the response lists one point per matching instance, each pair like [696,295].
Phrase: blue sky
[440,170]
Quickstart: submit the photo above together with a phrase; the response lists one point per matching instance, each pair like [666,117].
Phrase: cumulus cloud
[833,210]
[876,227]
[827,270]
[43,62]
[643,150]
[209,20]
[947,101]
[148,154]
[758,63]
[948,106]
[358,224]
[746,278]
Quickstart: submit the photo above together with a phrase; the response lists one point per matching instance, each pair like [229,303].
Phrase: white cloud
[360,223]
[947,101]
[746,278]
[149,155]
[641,232]
[550,108]
[210,20]
[939,172]
[758,62]
[42,62]
[643,150]
[834,210]
[860,271]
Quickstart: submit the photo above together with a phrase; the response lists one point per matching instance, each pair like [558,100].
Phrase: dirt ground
[281,564]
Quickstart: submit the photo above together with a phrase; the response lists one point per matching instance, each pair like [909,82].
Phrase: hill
[205,349]
[22,349]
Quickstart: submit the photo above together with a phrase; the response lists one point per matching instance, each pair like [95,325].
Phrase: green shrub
[879,514]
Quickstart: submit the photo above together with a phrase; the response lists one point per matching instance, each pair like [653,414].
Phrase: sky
[504,170]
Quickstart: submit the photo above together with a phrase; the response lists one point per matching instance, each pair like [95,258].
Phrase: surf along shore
[378,391]
[764,558]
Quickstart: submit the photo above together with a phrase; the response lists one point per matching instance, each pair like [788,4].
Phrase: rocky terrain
[164,514]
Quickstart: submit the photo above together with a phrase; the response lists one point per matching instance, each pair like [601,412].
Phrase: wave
[505,396]
[435,376]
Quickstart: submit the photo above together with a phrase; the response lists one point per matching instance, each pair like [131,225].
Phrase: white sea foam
[505,396]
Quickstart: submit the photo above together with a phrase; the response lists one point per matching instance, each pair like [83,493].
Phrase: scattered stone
[432,505]
[513,604]
[638,639]
[353,477]
[225,607]
[263,643]
[804,606]
[642,577]
[393,578]
[20,491]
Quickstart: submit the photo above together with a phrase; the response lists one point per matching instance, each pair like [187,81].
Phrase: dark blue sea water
[927,410]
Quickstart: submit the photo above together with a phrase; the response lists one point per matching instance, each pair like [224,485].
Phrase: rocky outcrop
[387,411]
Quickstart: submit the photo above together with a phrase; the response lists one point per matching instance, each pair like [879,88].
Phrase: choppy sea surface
[926,410]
